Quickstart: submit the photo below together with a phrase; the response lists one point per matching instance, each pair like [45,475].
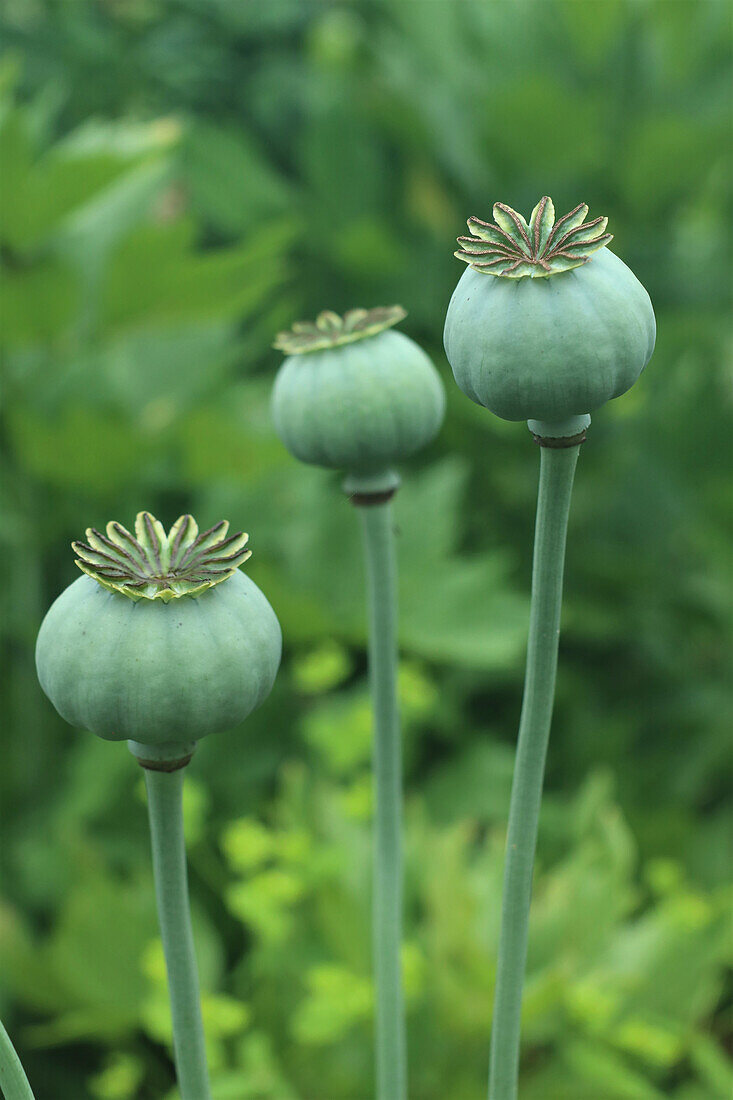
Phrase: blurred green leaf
[231,184]
[607,1074]
[82,448]
[93,957]
[37,302]
[154,275]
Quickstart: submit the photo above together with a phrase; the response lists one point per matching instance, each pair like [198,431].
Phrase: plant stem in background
[13,1081]
[165,808]
[391,1044]
[353,395]
[557,469]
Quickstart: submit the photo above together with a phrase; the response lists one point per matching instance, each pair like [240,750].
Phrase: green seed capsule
[352,395]
[163,639]
[559,326]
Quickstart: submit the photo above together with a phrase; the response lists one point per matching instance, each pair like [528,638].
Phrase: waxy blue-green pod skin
[358,407]
[158,672]
[550,348]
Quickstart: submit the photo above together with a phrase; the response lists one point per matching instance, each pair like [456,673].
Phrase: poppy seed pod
[559,326]
[353,395]
[163,639]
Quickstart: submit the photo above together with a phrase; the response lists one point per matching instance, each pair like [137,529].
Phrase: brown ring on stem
[165,765]
[170,756]
[558,442]
[363,500]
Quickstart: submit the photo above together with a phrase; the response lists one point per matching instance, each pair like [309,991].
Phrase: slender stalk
[391,1045]
[13,1081]
[165,810]
[557,469]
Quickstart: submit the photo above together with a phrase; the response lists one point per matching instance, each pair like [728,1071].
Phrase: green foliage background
[181,178]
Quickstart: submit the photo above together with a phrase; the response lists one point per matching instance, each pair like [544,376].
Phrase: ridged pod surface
[360,405]
[154,670]
[548,347]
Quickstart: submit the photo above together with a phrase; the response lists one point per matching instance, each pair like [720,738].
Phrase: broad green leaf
[94,955]
[89,234]
[231,183]
[156,276]
[606,1074]
[39,300]
[713,1065]
[80,448]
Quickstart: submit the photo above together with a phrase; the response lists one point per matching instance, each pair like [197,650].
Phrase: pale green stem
[391,1045]
[13,1081]
[165,808]
[557,469]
